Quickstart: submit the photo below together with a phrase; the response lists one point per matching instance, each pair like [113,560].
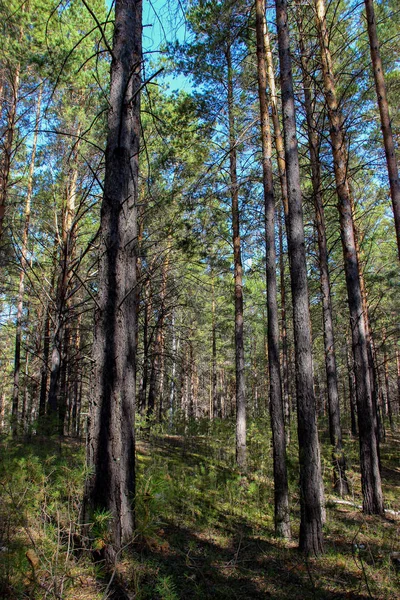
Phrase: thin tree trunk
[56,403]
[282,515]
[285,202]
[111,444]
[311,537]
[24,266]
[5,163]
[388,400]
[284,341]
[352,391]
[335,429]
[369,460]
[388,141]
[241,449]
[214,395]
[172,393]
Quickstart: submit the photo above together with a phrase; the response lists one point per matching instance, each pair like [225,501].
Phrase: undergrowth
[203,529]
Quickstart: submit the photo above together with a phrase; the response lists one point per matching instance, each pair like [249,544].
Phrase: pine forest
[199,299]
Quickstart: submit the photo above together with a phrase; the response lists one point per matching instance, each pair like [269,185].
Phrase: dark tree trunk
[311,538]
[335,429]
[241,449]
[388,141]
[111,445]
[282,516]
[369,459]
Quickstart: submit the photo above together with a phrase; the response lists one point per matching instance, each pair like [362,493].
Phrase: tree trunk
[56,403]
[241,450]
[352,390]
[388,141]
[111,444]
[282,516]
[370,475]
[283,185]
[5,162]
[335,429]
[311,538]
[214,395]
[24,265]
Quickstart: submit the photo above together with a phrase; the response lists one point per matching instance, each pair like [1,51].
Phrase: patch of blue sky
[164,23]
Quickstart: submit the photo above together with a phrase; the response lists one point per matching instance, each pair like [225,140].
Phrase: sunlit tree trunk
[388,141]
[335,429]
[273,100]
[370,475]
[282,518]
[7,149]
[241,449]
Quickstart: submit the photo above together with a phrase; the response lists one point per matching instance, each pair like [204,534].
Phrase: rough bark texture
[370,475]
[311,538]
[388,142]
[282,518]
[335,429]
[111,447]
[273,98]
[241,450]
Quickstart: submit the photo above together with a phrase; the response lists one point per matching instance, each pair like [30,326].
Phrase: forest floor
[203,530]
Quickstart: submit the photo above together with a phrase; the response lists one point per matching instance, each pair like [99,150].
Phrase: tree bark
[5,163]
[335,429]
[273,98]
[369,460]
[111,445]
[388,141]
[311,537]
[241,449]
[282,515]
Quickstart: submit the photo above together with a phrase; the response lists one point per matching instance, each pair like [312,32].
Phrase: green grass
[203,529]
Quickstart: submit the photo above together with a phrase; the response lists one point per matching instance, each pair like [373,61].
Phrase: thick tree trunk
[370,475]
[335,429]
[282,515]
[311,538]
[241,449]
[388,141]
[24,265]
[111,445]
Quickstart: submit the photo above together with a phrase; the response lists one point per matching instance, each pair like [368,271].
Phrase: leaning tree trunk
[369,460]
[111,445]
[311,538]
[282,516]
[335,430]
[388,141]
[241,450]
